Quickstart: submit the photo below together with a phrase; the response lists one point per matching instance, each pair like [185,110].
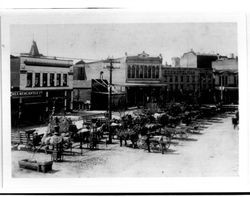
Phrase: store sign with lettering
[26,93]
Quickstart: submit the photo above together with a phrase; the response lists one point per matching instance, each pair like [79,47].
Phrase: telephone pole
[111,61]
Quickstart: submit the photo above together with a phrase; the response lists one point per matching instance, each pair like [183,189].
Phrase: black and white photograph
[113,97]
[123,100]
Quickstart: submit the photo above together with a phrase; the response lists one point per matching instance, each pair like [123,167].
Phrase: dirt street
[214,152]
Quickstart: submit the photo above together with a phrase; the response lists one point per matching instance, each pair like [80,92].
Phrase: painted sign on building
[19,94]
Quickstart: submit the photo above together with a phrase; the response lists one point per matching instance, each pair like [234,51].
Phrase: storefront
[31,107]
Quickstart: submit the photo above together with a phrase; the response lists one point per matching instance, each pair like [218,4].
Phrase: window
[181,78]
[226,80]
[153,72]
[170,79]
[141,71]
[137,71]
[29,80]
[145,72]
[52,80]
[45,79]
[133,71]
[157,72]
[65,79]
[187,78]
[37,79]
[149,72]
[129,71]
[193,78]
[58,80]
[176,78]
[235,80]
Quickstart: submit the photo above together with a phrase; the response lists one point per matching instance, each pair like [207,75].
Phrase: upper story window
[236,80]
[129,71]
[37,79]
[133,71]
[153,72]
[226,80]
[137,71]
[29,80]
[187,78]
[176,78]
[170,79]
[52,79]
[145,72]
[141,71]
[181,78]
[45,79]
[149,72]
[58,80]
[157,72]
[65,79]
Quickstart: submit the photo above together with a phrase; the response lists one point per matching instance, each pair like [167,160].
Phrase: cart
[158,143]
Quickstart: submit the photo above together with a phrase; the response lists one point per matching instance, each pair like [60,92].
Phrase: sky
[99,41]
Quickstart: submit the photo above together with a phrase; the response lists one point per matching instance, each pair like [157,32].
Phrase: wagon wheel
[152,146]
[168,143]
[140,144]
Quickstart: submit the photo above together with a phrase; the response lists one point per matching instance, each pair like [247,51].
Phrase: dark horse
[125,135]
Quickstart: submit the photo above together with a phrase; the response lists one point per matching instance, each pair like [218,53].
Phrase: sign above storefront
[26,93]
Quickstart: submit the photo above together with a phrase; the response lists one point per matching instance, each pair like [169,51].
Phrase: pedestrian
[148,142]
[163,145]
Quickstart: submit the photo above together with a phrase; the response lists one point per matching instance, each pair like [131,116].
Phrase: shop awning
[36,103]
[226,88]
[142,84]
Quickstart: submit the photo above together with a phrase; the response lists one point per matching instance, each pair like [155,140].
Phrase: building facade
[176,62]
[191,85]
[197,60]
[143,79]
[136,80]
[226,80]
[39,85]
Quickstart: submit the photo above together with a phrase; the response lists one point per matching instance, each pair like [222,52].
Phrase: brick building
[39,84]
[191,85]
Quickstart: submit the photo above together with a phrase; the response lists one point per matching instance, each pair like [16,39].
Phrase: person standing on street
[163,145]
[148,142]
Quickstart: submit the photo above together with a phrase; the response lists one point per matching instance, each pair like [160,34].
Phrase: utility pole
[111,61]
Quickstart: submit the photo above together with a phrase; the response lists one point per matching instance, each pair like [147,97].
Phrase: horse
[125,135]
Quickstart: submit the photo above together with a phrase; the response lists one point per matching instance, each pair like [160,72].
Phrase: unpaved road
[214,152]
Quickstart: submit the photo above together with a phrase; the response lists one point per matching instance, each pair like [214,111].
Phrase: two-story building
[39,84]
[136,80]
[226,80]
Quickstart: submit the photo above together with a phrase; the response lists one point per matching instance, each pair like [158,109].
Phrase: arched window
[141,71]
[137,71]
[153,72]
[133,72]
[149,71]
[129,71]
[145,72]
[157,72]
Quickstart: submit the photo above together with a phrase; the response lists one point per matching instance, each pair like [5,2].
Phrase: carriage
[158,143]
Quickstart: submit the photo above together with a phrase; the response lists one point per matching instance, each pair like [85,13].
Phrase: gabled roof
[80,62]
[34,49]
